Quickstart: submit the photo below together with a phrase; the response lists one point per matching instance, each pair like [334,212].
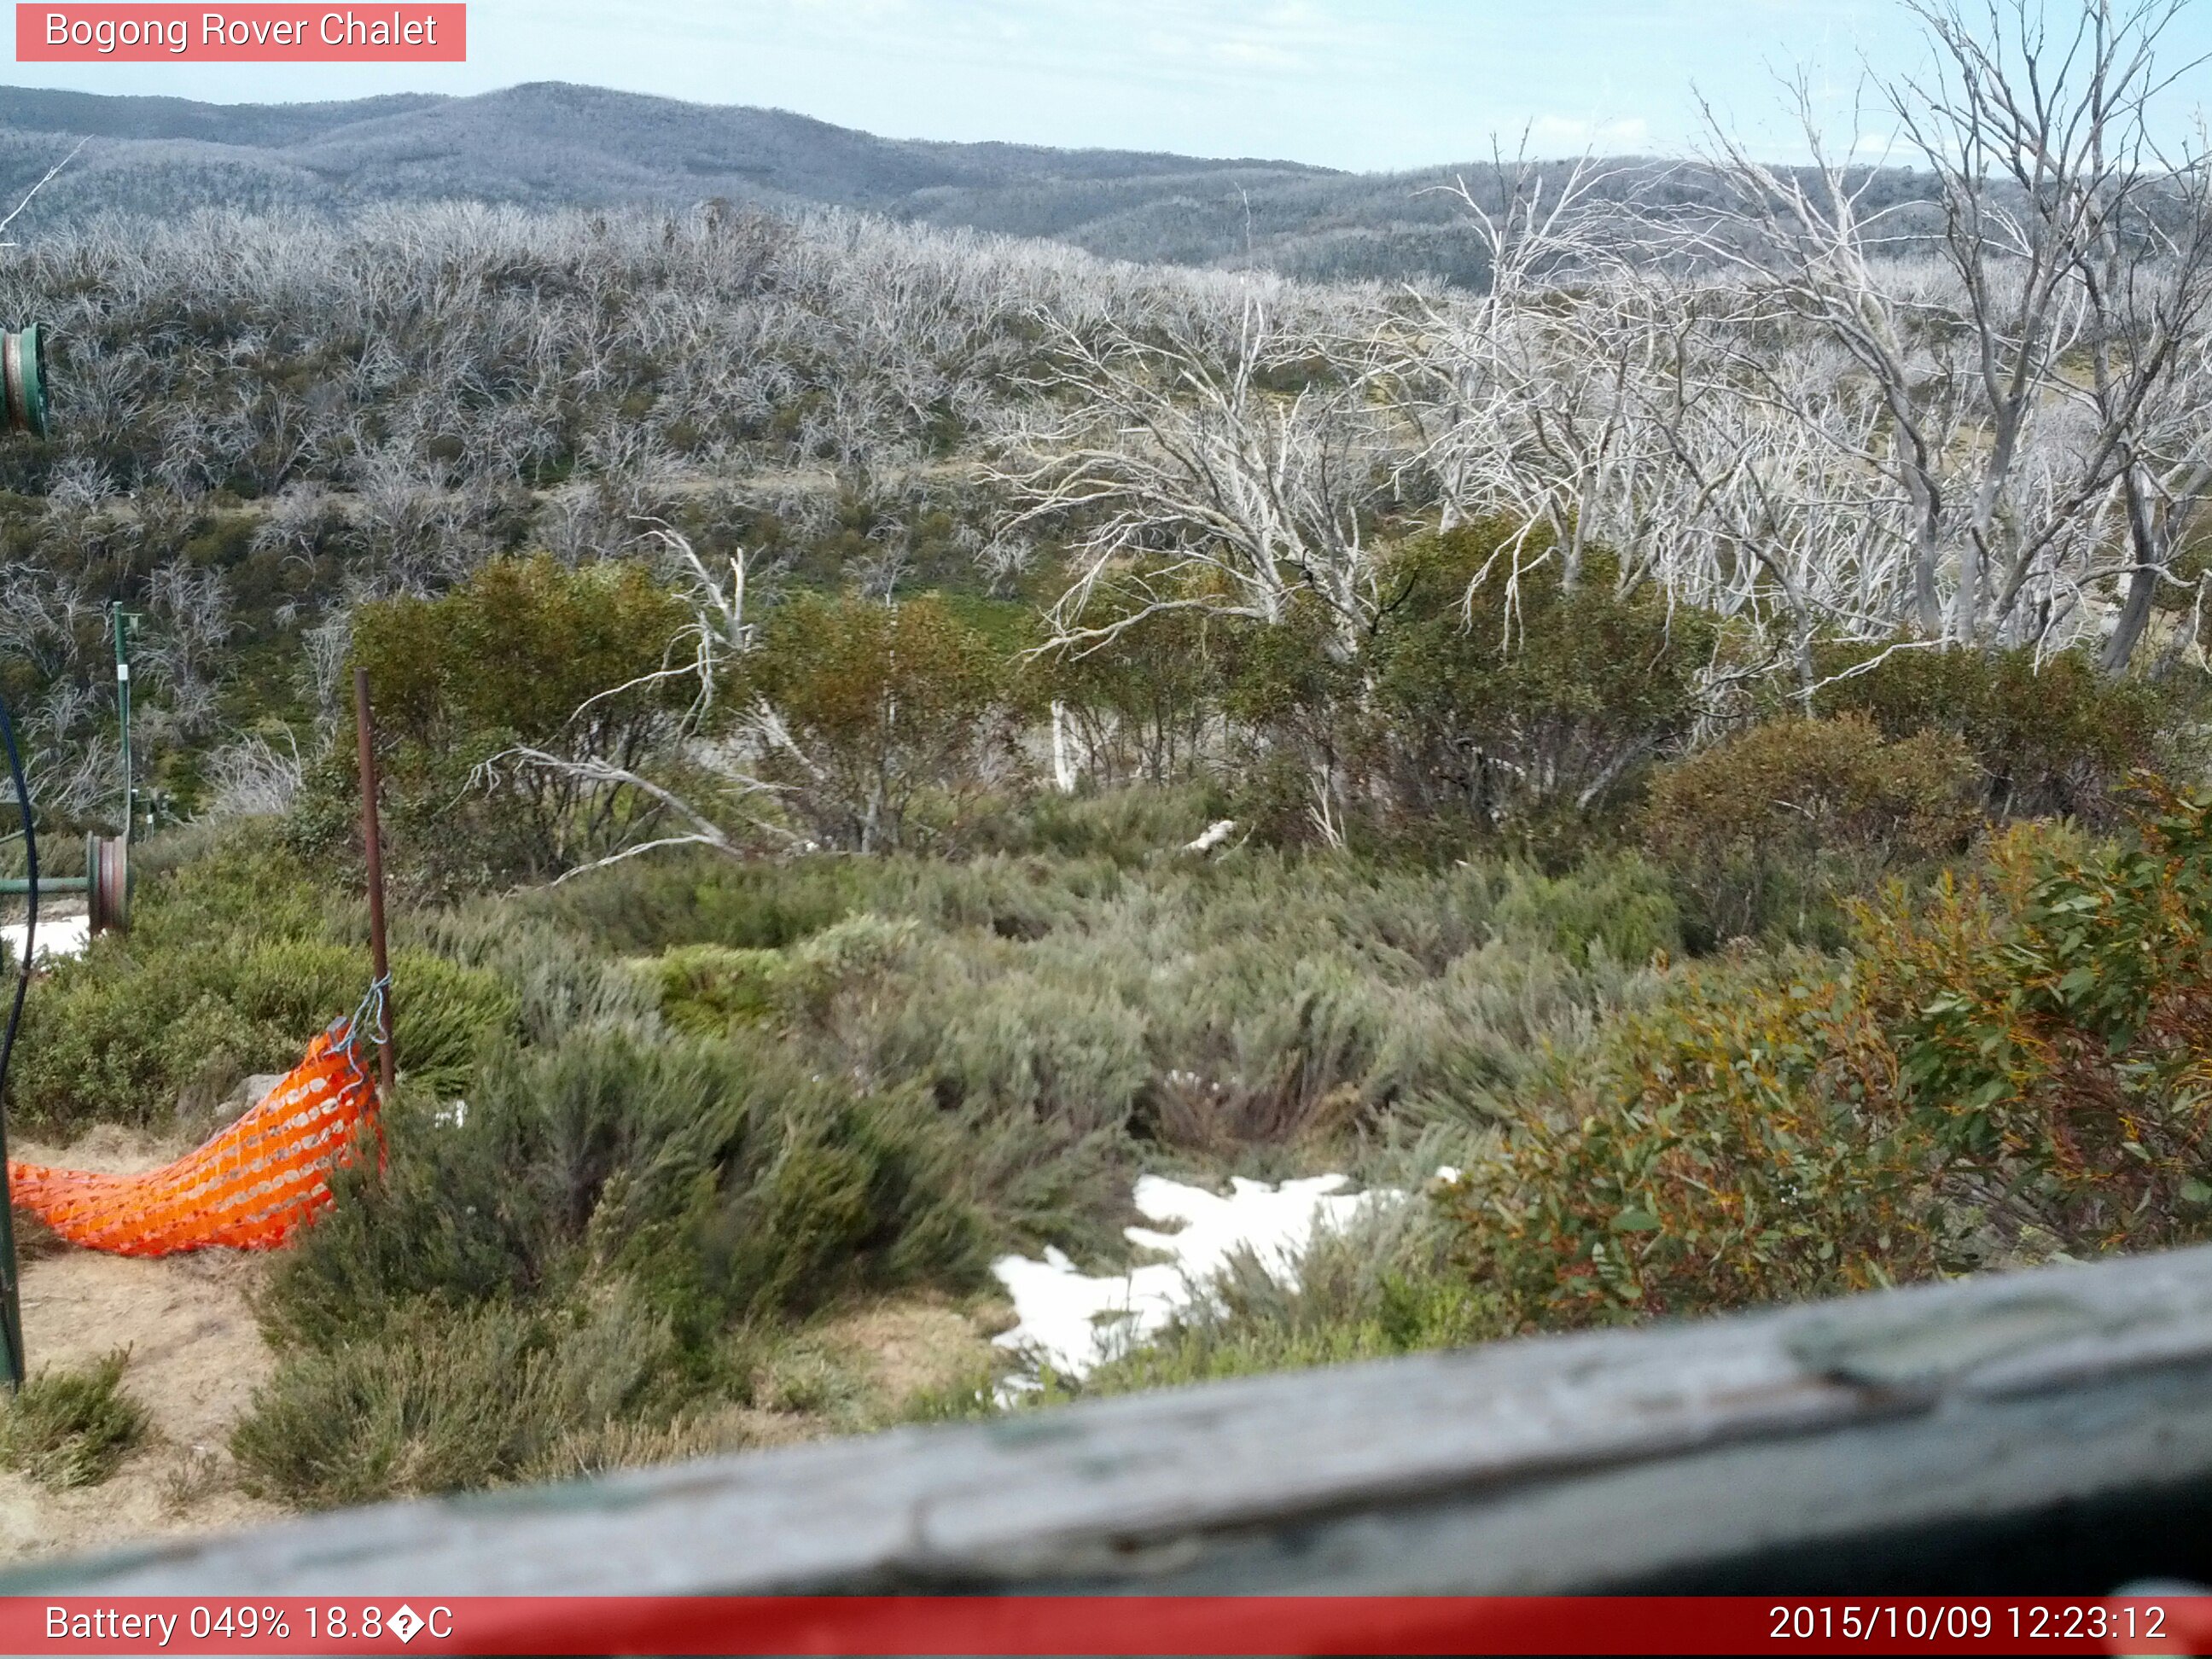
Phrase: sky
[1371,85]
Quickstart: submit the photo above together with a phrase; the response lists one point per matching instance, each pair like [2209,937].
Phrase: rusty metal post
[371,841]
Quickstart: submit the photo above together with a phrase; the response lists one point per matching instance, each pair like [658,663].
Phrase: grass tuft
[72,1427]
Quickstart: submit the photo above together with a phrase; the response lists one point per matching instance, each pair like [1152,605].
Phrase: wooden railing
[2048,1430]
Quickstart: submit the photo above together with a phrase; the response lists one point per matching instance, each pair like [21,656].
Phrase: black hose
[11,1308]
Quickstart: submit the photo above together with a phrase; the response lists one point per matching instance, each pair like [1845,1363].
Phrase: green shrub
[528,651]
[70,1428]
[1138,705]
[1618,907]
[1729,1149]
[709,989]
[1296,711]
[724,1181]
[1130,826]
[1793,811]
[721,1096]
[968,1400]
[2052,1018]
[451,1400]
[233,964]
[2051,736]
[448,1018]
[878,703]
[1257,1013]
[698,898]
[556,980]
[545,1285]
[2006,1067]
[120,1032]
[1531,699]
[517,649]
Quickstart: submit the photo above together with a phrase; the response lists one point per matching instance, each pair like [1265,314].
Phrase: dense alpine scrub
[1999,1068]
[840,994]
[889,735]
[700,1104]
[679,1110]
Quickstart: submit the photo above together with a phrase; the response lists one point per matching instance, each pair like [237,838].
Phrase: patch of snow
[1073,1321]
[1215,834]
[59,936]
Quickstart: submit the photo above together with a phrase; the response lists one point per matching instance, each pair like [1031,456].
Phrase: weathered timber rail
[2047,1431]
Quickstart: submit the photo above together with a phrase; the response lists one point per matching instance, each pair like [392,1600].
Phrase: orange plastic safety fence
[250,1187]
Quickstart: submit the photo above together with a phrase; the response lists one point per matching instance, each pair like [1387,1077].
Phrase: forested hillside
[550,145]
[1683,761]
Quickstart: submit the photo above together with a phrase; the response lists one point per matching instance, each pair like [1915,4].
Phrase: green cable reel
[23,380]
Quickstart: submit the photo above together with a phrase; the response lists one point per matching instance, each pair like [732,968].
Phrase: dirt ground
[196,1356]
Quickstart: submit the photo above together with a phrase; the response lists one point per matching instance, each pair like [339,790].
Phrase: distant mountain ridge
[554,143]
[550,141]
[40,109]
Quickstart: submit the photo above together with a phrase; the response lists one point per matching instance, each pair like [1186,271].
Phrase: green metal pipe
[16,884]
[125,623]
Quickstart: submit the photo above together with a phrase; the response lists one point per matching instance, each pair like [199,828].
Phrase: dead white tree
[1228,475]
[1521,395]
[250,778]
[192,617]
[2073,263]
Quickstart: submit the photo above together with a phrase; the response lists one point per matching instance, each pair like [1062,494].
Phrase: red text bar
[1103,1624]
[251,33]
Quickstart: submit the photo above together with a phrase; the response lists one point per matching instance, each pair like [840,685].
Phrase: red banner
[1141,1625]
[75,33]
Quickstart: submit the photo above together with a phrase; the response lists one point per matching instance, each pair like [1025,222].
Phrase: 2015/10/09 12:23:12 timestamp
[1950,1622]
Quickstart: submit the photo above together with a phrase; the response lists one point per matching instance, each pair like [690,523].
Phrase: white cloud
[1550,131]
[1256,54]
